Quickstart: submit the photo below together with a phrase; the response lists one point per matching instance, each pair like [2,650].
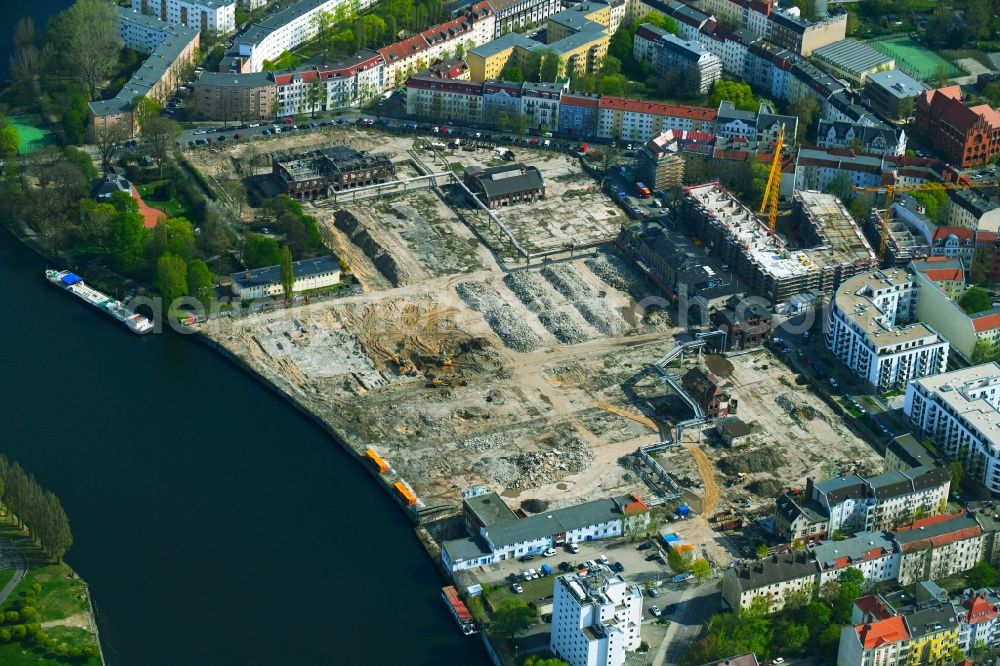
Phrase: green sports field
[914,59]
[32,136]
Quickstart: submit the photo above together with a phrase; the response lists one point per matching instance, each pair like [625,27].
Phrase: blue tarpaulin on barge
[71,278]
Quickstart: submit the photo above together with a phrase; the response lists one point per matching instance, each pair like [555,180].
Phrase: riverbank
[48,618]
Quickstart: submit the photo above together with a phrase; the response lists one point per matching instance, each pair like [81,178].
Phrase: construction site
[819,247]
[544,381]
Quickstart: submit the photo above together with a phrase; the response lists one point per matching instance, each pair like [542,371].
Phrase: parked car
[655,610]
[645,545]
[533,575]
[516,588]
[653,592]
[573,548]
[287,121]
[526,558]
[618,567]
[587,564]
[549,552]
[603,559]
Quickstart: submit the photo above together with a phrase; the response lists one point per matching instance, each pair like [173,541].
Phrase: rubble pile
[619,273]
[512,330]
[556,317]
[532,469]
[488,441]
[587,300]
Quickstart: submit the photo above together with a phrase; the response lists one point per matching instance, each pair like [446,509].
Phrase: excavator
[890,192]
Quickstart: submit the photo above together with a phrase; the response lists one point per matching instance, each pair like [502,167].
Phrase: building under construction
[830,246]
[901,245]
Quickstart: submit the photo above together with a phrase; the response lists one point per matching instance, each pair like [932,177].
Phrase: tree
[26,61]
[125,240]
[817,617]
[144,108]
[287,272]
[323,23]
[980,576]
[162,133]
[170,278]
[678,561]
[762,550]
[807,8]
[829,638]
[789,637]
[978,17]
[851,581]
[737,92]
[260,251]
[513,616]
[515,74]
[701,569]
[806,108]
[798,599]
[980,264]
[840,186]
[543,661]
[93,42]
[10,142]
[957,472]
[975,300]
[611,84]
[860,208]
[829,591]
[108,139]
[315,92]
[550,65]
[199,281]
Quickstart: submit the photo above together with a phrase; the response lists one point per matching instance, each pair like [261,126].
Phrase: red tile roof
[986,323]
[873,607]
[947,104]
[944,274]
[657,108]
[579,100]
[407,47]
[876,634]
[980,610]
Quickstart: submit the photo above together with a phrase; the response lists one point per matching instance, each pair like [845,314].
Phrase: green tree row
[35,508]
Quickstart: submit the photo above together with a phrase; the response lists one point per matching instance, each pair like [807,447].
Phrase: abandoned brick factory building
[505,185]
[318,173]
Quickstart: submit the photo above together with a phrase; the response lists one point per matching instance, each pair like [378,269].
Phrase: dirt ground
[531,382]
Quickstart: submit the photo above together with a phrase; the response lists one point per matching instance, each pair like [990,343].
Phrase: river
[214,523]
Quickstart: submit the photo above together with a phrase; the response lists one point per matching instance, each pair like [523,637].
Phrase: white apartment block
[872,330]
[204,15]
[665,52]
[351,82]
[874,555]
[514,15]
[960,412]
[266,282]
[596,617]
[286,29]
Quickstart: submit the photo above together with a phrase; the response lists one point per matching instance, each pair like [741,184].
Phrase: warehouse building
[852,61]
[318,173]
[505,185]
[266,282]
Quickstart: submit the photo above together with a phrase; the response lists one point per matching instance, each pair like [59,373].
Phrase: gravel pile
[530,469]
[619,273]
[587,300]
[556,317]
[513,331]
[487,442]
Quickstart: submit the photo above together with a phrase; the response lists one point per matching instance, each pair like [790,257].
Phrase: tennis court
[914,59]
[32,137]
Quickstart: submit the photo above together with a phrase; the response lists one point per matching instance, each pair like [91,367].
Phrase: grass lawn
[172,207]
[5,576]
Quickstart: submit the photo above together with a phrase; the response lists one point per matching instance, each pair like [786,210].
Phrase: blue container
[683,510]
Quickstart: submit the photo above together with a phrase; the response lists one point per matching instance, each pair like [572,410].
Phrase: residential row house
[926,628]
[665,52]
[928,548]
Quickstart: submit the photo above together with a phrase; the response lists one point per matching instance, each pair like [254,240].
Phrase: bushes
[164,191]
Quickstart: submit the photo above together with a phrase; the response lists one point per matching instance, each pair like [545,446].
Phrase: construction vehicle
[403,365]
[890,192]
[773,188]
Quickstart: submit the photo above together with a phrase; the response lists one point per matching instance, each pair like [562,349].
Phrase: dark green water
[215,524]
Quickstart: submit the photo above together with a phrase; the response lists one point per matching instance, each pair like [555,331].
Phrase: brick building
[505,185]
[320,172]
[963,135]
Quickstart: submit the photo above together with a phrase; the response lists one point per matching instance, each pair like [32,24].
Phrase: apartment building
[596,618]
[497,533]
[852,503]
[804,37]
[874,139]
[873,554]
[764,125]
[284,30]
[658,163]
[873,329]
[970,208]
[960,412]
[626,119]
[938,546]
[772,578]
[667,53]
[514,15]
[833,250]
[202,15]
[471,27]
[236,97]
[171,48]
[320,88]
[961,134]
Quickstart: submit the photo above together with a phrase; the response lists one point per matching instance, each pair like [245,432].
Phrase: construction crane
[890,192]
[773,188]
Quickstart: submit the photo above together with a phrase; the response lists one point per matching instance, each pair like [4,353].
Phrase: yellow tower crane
[773,188]
[890,192]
